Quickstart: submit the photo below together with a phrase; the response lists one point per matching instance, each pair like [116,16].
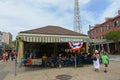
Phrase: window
[108,26]
[101,37]
[89,35]
[96,31]
[117,23]
[101,29]
[97,38]
[92,33]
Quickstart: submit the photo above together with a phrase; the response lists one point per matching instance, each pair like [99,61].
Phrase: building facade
[0,43]
[0,38]
[111,24]
[7,38]
[98,31]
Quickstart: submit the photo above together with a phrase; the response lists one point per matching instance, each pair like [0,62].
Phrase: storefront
[48,40]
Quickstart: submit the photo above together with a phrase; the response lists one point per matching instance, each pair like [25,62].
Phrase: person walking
[105,61]
[96,60]
[4,56]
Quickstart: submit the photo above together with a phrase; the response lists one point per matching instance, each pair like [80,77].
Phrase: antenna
[77,24]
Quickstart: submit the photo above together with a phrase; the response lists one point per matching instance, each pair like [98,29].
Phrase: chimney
[97,24]
[119,12]
[108,18]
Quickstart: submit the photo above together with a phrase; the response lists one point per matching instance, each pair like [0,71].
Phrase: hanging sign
[75,46]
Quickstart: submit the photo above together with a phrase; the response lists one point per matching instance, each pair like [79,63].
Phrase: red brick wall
[112,27]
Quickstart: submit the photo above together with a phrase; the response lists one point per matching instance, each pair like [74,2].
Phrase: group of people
[99,58]
[6,55]
[67,60]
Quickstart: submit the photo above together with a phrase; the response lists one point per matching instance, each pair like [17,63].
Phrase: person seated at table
[44,59]
[32,54]
[29,61]
[68,61]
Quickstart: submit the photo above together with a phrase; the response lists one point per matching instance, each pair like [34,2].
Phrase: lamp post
[16,58]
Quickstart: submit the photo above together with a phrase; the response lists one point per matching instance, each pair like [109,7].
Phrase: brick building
[7,38]
[99,30]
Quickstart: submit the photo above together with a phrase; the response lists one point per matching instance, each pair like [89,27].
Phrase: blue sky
[21,15]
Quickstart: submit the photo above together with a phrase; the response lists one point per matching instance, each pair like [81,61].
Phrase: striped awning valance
[39,39]
[49,39]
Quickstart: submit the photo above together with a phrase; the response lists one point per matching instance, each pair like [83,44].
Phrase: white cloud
[84,1]
[111,10]
[20,15]
[89,18]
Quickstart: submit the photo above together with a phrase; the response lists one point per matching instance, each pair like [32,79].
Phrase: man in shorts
[105,61]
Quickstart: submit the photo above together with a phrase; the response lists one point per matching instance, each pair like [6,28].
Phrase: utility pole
[77,22]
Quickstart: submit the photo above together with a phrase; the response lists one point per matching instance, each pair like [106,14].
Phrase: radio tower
[77,24]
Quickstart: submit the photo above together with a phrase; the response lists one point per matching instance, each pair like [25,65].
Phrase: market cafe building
[49,40]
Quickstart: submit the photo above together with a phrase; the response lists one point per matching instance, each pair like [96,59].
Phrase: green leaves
[114,35]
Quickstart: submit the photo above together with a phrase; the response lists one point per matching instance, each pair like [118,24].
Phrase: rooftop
[53,30]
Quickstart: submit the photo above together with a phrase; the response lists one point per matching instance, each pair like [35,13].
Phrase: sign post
[75,46]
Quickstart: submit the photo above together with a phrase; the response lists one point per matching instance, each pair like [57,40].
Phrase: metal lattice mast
[77,23]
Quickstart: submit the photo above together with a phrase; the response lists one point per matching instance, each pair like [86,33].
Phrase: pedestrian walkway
[81,73]
[0,60]
[114,57]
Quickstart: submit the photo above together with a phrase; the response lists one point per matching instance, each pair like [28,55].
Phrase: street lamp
[16,57]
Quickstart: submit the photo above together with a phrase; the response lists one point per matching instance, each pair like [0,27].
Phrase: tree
[15,43]
[115,36]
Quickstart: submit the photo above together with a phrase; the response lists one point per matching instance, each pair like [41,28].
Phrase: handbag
[94,58]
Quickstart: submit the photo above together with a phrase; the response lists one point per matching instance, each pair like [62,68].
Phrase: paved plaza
[81,73]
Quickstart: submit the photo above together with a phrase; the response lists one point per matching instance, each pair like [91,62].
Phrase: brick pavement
[114,57]
[82,73]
